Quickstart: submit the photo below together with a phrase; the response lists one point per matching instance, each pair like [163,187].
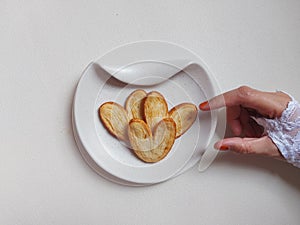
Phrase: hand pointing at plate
[250,112]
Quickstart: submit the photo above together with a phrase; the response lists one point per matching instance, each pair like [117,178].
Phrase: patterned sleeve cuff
[285,132]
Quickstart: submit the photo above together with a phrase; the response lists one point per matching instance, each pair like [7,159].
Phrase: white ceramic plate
[107,155]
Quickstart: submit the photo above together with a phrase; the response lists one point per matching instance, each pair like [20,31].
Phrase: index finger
[266,103]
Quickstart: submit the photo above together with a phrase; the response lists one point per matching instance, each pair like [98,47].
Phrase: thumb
[260,146]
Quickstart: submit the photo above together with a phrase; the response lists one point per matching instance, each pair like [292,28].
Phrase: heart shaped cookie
[155,109]
[151,148]
[184,116]
[114,117]
[146,125]
[134,104]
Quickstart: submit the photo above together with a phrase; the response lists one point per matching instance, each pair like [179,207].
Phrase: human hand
[243,103]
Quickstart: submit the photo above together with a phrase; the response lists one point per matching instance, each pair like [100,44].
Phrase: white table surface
[45,45]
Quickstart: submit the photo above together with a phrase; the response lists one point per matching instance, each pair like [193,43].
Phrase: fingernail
[204,105]
[223,147]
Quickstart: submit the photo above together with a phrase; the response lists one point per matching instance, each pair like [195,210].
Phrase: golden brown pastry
[134,104]
[114,117]
[184,116]
[155,109]
[151,148]
[145,123]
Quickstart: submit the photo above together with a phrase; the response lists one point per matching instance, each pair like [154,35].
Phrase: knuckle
[244,92]
[247,147]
